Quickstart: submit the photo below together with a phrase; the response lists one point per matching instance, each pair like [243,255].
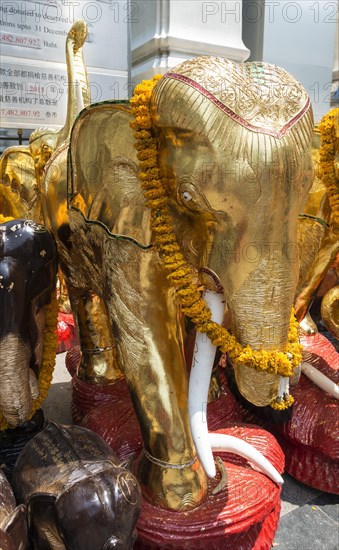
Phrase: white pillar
[163,33]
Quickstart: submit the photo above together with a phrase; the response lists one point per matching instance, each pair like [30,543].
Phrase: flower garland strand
[328,151]
[179,273]
[48,354]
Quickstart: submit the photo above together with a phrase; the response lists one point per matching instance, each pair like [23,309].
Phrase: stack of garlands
[179,272]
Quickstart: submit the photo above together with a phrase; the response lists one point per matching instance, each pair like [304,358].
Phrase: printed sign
[33,74]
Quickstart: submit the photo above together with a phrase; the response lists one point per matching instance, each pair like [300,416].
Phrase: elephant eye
[186,196]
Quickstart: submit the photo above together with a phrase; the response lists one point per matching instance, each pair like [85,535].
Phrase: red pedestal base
[310,439]
[243,516]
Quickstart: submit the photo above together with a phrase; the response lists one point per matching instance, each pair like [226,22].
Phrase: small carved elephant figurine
[13,526]
[77,494]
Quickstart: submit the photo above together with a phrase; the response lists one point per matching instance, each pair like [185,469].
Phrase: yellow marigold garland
[48,354]
[283,404]
[328,152]
[179,273]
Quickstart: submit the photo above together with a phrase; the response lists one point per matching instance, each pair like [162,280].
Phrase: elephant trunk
[16,377]
[259,282]
[260,313]
[78,85]
[18,382]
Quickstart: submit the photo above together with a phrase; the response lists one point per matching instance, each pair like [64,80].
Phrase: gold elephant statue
[22,167]
[204,193]
[319,228]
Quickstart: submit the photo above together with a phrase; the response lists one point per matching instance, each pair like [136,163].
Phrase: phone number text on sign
[17,40]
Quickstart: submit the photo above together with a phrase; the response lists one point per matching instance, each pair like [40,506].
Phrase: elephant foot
[108,411]
[171,486]
[243,515]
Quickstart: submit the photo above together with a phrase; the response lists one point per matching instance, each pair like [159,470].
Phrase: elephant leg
[98,351]
[151,353]
[145,326]
[325,258]
[64,302]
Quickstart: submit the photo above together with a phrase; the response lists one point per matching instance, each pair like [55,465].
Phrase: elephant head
[27,279]
[77,493]
[234,158]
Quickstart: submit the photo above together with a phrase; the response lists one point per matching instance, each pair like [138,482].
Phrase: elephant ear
[103,183]
[18,186]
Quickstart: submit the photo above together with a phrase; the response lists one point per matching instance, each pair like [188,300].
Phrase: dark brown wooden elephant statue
[77,494]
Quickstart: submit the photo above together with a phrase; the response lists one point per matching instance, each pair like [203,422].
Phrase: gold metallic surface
[328,249]
[147,333]
[21,167]
[330,311]
[318,190]
[99,363]
[17,171]
[318,241]
[235,196]
[111,193]
[243,191]
[64,302]
[76,77]
[119,264]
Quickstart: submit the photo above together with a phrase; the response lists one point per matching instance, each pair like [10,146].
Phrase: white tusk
[308,325]
[231,444]
[202,364]
[320,380]
[284,385]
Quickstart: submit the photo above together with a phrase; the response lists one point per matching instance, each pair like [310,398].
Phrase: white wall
[300,37]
